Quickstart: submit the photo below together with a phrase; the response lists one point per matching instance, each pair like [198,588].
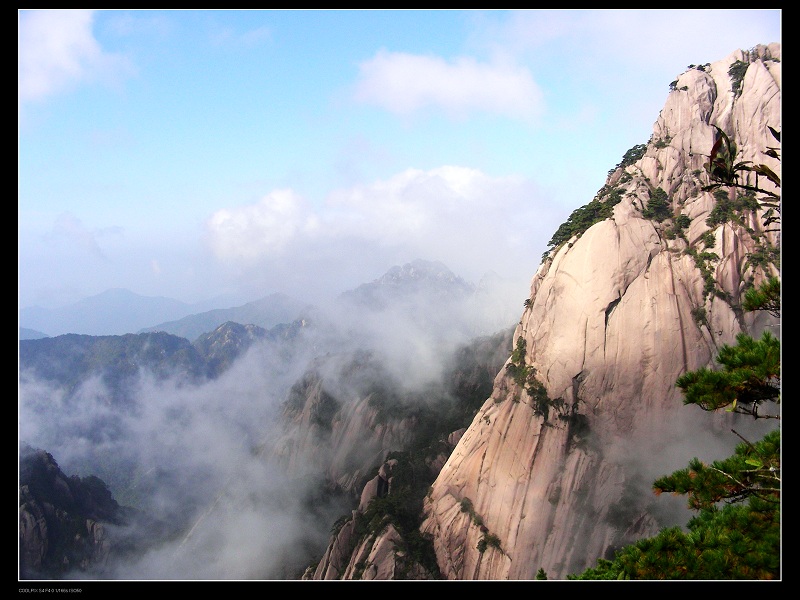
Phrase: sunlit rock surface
[615,316]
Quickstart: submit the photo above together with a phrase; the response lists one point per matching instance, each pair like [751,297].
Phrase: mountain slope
[559,469]
[30,334]
[63,521]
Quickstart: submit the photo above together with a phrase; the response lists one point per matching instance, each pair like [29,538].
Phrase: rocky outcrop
[63,521]
[226,343]
[369,546]
[558,470]
[339,427]
[366,428]
[343,417]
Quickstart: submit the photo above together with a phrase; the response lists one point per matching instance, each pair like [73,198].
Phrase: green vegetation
[749,377]
[737,190]
[658,206]
[663,142]
[727,210]
[678,227]
[736,542]
[753,472]
[525,377]
[699,316]
[584,217]
[631,156]
[767,297]
[728,174]
[402,509]
[703,261]
[488,540]
[736,73]
[599,209]
[683,221]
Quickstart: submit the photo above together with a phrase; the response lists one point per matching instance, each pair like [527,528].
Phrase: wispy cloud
[58,50]
[68,229]
[457,215]
[405,83]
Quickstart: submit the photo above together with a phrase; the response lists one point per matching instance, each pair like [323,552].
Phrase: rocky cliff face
[348,412]
[615,316]
[63,521]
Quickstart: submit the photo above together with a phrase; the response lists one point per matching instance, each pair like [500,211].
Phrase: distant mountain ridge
[266,313]
[119,311]
[31,334]
[71,359]
[113,312]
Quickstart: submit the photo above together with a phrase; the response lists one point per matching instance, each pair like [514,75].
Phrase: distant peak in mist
[409,280]
[419,270]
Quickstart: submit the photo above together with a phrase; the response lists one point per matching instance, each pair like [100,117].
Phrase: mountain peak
[418,270]
[417,279]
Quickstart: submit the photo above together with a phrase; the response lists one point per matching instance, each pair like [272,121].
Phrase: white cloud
[413,204]
[259,229]
[609,41]
[58,50]
[404,83]
[459,216]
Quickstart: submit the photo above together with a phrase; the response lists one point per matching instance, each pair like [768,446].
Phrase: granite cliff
[615,316]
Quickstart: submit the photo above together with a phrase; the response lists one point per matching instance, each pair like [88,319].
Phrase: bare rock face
[380,554]
[341,436]
[556,474]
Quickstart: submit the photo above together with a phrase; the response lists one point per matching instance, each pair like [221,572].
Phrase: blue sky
[194,154]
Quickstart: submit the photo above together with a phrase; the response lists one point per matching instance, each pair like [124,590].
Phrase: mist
[232,490]
[188,457]
[655,448]
[203,461]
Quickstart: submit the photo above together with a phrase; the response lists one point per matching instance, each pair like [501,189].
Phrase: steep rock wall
[342,437]
[615,316]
